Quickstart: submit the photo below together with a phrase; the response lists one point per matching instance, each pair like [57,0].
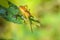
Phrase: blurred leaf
[16,2]
[11,15]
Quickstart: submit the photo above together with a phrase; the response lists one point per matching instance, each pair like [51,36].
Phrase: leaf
[16,2]
[11,15]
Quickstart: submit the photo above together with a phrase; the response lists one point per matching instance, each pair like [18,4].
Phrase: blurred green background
[45,11]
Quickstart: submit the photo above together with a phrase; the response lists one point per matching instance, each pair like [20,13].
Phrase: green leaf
[16,2]
[12,16]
